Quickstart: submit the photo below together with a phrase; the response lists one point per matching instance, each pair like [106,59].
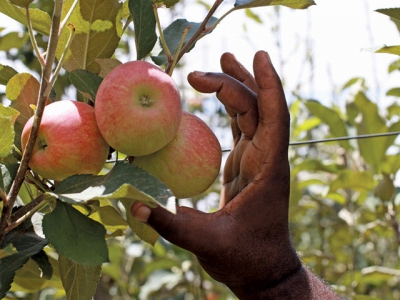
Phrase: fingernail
[199,73]
[140,211]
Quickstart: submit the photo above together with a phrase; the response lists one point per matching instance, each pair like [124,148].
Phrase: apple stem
[32,37]
[198,34]
[162,39]
[45,79]
[175,61]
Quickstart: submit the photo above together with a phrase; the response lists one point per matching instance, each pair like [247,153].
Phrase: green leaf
[75,235]
[23,90]
[331,118]
[348,179]
[41,21]
[8,171]
[173,35]
[8,116]
[86,82]
[13,40]
[370,121]
[124,181]
[143,231]
[11,263]
[79,281]
[98,29]
[22,3]
[389,49]
[393,92]
[391,12]
[144,22]
[296,4]
[6,73]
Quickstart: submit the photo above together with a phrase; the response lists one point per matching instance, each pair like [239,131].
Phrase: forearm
[302,285]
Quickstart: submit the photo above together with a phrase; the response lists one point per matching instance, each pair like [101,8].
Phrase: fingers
[273,128]
[185,228]
[234,68]
[239,101]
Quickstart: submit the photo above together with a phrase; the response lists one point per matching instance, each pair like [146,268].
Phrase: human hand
[246,243]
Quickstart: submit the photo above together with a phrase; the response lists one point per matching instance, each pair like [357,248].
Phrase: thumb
[188,228]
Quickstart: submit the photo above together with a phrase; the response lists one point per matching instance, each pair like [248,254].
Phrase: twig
[45,79]
[162,38]
[32,37]
[175,61]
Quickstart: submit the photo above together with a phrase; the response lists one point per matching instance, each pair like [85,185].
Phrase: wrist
[301,284]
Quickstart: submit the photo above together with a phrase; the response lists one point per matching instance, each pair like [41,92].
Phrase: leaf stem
[175,61]
[162,38]
[45,79]
[61,61]
[197,34]
[67,16]
[32,37]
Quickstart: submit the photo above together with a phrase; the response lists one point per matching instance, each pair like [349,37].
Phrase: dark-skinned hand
[246,243]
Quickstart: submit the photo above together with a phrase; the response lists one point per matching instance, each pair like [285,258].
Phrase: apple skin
[138,108]
[190,163]
[69,141]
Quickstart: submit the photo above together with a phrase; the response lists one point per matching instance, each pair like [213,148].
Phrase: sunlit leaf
[106,65]
[13,40]
[75,236]
[86,82]
[377,274]
[297,4]
[348,179]
[6,73]
[391,12]
[98,29]
[28,277]
[144,22]
[389,49]
[331,118]
[8,116]
[79,281]
[41,21]
[393,92]
[22,3]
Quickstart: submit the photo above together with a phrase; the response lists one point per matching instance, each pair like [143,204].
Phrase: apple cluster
[138,112]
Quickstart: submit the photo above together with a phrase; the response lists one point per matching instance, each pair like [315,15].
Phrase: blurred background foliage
[344,206]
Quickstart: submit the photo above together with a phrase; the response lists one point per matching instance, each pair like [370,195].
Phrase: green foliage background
[344,207]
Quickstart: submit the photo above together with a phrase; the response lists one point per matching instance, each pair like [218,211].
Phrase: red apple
[190,163]
[138,108]
[69,141]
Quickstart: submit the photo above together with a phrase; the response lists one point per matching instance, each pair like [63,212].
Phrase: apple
[138,108]
[69,141]
[190,163]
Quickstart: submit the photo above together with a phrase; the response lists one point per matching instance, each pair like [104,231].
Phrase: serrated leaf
[86,82]
[123,181]
[79,281]
[98,29]
[41,21]
[10,264]
[75,235]
[144,22]
[23,90]
[391,12]
[296,4]
[8,171]
[173,34]
[106,65]
[8,117]
[143,231]
[6,73]
[13,40]
[110,218]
